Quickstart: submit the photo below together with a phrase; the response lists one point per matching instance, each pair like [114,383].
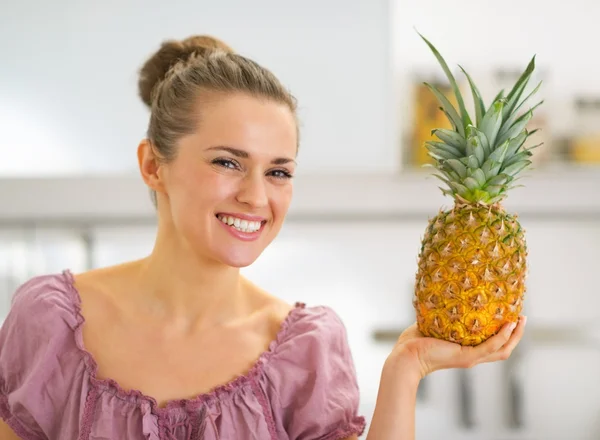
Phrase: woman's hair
[173,80]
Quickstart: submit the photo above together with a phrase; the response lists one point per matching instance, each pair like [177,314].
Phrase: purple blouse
[303,387]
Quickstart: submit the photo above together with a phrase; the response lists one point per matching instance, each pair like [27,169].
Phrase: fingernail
[511,327]
[524,318]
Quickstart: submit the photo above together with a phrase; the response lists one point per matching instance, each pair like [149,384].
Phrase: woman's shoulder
[312,335]
[44,301]
[37,347]
[312,376]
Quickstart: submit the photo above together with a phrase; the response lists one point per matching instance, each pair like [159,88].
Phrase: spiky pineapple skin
[471,273]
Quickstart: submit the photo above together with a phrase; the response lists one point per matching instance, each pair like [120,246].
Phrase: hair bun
[170,53]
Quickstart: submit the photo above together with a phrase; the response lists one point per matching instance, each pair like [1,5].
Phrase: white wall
[68,77]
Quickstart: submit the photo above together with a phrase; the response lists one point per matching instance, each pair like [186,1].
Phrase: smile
[242,225]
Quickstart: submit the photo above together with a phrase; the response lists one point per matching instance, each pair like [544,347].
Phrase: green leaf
[461,190]
[447,108]
[516,108]
[442,178]
[485,143]
[524,78]
[444,147]
[516,167]
[457,166]
[471,183]
[500,179]
[481,196]
[450,137]
[534,146]
[477,100]
[461,104]
[498,97]
[492,121]
[515,143]
[472,162]
[515,128]
[491,168]
[499,153]
[479,176]
[523,155]
[494,190]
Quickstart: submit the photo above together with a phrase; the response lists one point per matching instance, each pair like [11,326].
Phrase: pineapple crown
[479,161]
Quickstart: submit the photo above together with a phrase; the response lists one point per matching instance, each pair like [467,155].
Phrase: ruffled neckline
[189,404]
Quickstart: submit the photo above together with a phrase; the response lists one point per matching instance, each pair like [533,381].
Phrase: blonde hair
[173,80]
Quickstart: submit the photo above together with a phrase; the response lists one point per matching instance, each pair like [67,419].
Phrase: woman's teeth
[239,224]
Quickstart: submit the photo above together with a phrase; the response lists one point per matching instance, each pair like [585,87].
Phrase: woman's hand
[427,354]
[414,357]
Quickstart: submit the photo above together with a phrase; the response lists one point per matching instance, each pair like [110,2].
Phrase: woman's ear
[149,164]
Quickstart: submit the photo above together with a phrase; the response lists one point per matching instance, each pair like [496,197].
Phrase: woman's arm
[394,415]
[416,356]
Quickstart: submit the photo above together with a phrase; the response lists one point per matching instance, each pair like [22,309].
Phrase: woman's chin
[238,259]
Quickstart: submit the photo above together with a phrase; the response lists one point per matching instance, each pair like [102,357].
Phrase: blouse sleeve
[27,341]
[315,379]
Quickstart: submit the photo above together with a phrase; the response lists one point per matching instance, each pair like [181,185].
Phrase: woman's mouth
[241,224]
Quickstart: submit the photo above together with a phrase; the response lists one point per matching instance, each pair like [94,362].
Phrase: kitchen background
[70,195]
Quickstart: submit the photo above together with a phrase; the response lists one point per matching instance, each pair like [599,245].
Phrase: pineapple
[473,258]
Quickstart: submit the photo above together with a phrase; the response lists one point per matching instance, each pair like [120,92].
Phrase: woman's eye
[281,174]
[226,163]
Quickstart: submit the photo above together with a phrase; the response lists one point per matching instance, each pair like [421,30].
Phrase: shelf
[548,193]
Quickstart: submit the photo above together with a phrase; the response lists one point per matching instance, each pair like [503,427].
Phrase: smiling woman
[178,345]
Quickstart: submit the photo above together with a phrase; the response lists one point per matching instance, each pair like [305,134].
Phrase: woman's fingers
[495,347]
[505,352]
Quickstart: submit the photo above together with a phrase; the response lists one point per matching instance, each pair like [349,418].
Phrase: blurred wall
[69,98]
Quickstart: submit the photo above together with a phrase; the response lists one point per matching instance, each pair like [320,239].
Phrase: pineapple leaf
[522,79]
[479,176]
[457,166]
[534,146]
[533,92]
[483,140]
[448,172]
[471,183]
[435,156]
[450,137]
[447,108]
[499,153]
[442,178]
[472,162]
[498,97]
[492,121]
[494,190]
[477,100]
[515,144]
[440,146]
[459,189]
[523,155]
[465,116]
[491,168]
[481,196]
[500,179]
[464,161]
[516,168]
[516,128]
[458,128]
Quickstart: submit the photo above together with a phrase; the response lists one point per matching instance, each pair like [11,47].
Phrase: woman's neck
[189,291]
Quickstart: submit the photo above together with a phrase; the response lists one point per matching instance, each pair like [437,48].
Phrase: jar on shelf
[585,140]
[426,115]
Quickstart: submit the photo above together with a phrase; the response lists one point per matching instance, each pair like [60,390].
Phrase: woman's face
[230,186]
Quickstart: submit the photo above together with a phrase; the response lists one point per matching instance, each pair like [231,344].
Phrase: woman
[178,345]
